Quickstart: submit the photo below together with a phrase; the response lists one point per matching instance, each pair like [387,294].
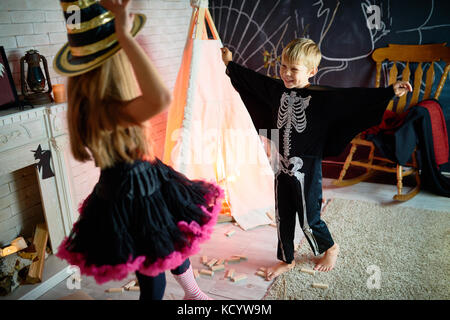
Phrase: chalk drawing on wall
[256,31]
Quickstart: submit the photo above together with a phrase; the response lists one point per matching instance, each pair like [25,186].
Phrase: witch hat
[92,41]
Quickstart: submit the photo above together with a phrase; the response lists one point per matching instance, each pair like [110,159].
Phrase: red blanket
[390,122]
[439,129]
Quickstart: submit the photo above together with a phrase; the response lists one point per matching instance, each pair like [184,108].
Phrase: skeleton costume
[310,123]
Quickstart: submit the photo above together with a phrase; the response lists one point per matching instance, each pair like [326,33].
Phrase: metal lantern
[36,87]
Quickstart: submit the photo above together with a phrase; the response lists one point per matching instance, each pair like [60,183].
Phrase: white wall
[39,24]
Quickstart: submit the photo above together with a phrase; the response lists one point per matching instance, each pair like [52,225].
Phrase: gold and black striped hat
[92,40]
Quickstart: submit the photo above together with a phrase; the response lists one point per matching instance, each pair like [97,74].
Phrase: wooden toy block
[134,288]
[129,284]
[115,290]
[229,273]
[230,233]
[239,278]
[261,273]
[211,262]
[241,257]
[309,271]
[234,260]
[204,259]
[218,267]
[320,285]
[207,272]
[221,261]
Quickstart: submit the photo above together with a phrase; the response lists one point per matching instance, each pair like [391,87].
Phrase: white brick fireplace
[21,132]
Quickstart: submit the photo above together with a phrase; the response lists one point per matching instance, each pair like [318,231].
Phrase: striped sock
[191,290]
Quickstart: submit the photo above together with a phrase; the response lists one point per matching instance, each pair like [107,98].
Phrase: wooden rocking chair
[420,54]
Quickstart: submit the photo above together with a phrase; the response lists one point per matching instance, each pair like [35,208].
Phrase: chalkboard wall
[347,32]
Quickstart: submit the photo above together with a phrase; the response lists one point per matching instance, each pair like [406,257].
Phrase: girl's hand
[155,96]
[123,20]
[402,87]
[227,56]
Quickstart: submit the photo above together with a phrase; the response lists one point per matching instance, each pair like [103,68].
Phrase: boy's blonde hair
[304,51]
[95,105]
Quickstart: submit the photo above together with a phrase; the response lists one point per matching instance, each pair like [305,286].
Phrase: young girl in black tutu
[142,216]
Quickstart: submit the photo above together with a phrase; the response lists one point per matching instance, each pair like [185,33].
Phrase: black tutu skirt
[144,217]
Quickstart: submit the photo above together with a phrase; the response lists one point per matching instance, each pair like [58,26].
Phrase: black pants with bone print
[298,192]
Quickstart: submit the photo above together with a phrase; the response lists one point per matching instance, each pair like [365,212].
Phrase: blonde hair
[304,51]
[95,105]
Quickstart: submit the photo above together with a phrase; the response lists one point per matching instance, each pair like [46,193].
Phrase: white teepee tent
[210,134]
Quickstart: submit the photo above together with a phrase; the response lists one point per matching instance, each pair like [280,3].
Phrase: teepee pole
[200,14]
[212,26]
[192,22]
[200,24]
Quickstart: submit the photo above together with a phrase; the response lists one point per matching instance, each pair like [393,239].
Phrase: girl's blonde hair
[304,51]
[96,102]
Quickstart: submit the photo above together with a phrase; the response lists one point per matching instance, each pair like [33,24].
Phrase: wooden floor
[259,245]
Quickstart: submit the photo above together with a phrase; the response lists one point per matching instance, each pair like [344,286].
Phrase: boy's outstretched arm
[355,110]
[242,78]
[257,91]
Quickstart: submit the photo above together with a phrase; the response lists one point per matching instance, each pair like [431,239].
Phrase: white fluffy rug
[386,252]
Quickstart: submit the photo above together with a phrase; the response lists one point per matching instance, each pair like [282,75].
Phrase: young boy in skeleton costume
[311,122]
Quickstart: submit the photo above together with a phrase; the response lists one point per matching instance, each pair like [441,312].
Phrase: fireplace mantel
[21,132]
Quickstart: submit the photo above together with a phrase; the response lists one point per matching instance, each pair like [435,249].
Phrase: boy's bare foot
[328,261]
[278,269]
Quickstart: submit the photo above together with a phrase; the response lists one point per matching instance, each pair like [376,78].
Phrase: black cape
[416,130]
[334,116]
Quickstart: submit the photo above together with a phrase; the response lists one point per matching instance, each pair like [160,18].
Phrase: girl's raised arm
[155,95]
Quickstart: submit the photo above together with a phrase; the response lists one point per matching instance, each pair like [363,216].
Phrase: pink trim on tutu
[193,230]
[101,274]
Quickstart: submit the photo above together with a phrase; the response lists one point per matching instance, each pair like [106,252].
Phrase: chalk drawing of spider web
[248,30]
